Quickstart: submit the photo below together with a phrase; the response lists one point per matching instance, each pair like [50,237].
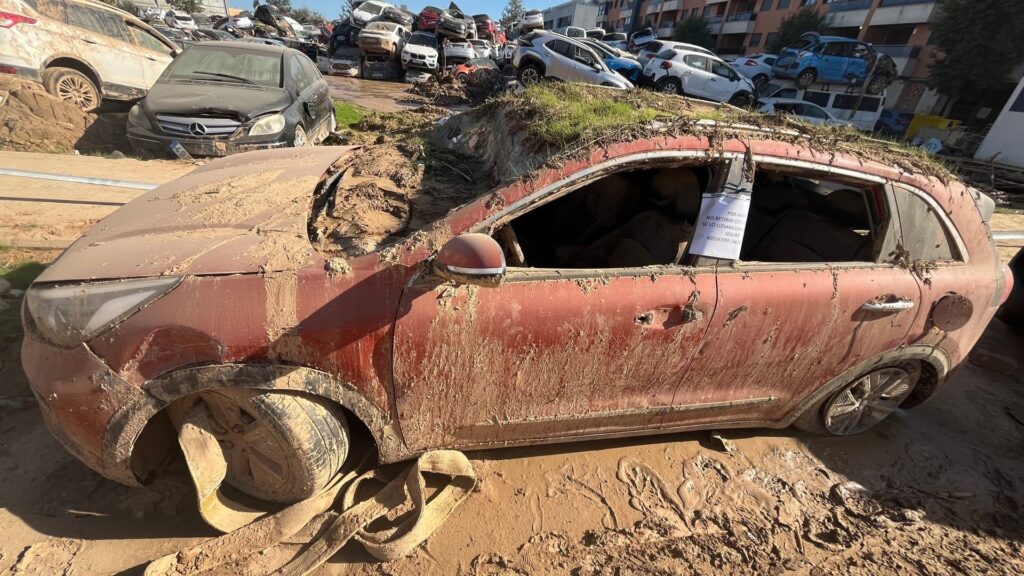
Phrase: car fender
[77,59]
[932,355]
[126,426]
[532,59]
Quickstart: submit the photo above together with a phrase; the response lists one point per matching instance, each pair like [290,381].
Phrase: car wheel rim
[77,91]
[669,88]
[300,137]
[256,459]
[868,401]
[530,76]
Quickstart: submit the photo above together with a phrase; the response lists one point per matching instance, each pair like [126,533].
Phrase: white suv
[541,54]
[700,75]
[81,51]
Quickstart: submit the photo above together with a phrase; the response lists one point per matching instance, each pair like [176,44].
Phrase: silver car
[542,54]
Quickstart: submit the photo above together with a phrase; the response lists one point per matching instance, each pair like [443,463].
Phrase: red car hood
[240,214]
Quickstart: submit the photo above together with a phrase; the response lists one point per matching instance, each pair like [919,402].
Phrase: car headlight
[68,315]
[267,125]
[136,117]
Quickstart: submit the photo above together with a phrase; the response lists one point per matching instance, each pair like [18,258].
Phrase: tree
[793,26]
[346,10]
[694,30]
[187,6]
[307,16]
[283,6]
[512,13]
[979,43]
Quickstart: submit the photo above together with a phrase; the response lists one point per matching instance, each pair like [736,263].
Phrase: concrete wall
[1006,137]
[580,13]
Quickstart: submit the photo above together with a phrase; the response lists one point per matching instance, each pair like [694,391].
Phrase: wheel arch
[935,363]
[66,61]
[141,424]
[529,59]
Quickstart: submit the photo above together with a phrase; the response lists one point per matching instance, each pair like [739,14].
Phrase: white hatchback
[698,74]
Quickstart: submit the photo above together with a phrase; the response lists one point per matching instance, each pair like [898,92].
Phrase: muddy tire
[741,99]
[805,79]
[299,138]
[670,86]
[759,80]
[863,402]
[72,86]
[877,85]
[279,446]
[529,74]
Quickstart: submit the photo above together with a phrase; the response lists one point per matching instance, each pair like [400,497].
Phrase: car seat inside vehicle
[627,219]
[801,219]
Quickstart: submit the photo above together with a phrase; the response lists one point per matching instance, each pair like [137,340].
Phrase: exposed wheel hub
[868,401]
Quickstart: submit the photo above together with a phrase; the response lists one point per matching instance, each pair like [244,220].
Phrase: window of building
[766,5]
[770,39]
[755,40]
[783,4]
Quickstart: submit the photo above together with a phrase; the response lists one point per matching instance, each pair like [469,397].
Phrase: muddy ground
[937,490]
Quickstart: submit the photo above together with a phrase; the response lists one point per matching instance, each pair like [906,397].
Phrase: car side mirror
[471,259]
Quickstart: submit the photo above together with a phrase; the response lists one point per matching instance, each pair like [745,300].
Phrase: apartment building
[579,13]
[899,28]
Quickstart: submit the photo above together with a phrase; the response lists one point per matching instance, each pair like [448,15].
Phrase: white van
[82,51]
[860,110]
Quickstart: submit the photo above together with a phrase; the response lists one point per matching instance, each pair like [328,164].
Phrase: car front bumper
[80,398]
[147,140]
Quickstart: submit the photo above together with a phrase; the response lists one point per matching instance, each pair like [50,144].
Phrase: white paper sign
[719,234]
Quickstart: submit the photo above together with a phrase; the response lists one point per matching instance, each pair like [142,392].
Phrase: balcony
[714,21]
[904,56]
[710,2]
[903,12]
[742,23]
[849,13]
[666,29]
[670,5]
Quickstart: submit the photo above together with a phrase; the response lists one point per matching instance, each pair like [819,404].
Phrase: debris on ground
[31,120]
[444,90]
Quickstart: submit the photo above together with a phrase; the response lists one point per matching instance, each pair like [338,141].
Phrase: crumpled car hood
[241,214]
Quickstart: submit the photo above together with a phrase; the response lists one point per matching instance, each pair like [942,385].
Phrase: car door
[552,351]
[313,93]
[156,55]
[723,82]
[813,293]
[586,65]
[109,48]
[833,58]
[559,62]
[696,75]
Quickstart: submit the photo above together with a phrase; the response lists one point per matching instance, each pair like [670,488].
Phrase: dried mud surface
[31,120]
[479,85]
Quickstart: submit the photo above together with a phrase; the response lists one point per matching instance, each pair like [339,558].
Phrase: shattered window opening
[924,235]
[797,216]
[631,218]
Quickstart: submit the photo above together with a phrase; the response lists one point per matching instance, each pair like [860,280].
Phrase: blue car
[835,59]
[626,67]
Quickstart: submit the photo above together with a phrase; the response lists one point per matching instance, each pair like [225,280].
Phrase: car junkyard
[433,292]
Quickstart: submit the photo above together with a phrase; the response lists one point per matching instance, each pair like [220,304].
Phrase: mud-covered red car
[565,305]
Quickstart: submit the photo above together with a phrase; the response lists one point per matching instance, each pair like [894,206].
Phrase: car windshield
[423,40]
[382,27]
[601,50]
[372,8]
[222,63]
[173,33]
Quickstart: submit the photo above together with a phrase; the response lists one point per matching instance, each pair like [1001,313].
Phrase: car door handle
[89,41]
[885,304]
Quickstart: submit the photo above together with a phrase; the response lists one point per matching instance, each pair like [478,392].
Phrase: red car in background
[462,71]
[485,27]
[428,18]
[567,304]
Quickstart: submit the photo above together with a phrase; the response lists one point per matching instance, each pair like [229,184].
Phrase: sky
[330,8]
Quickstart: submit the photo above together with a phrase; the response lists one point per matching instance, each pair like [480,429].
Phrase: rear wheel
[877,85]
[72,86]
[741,100]
[806,78]
[670,85]
[279,446]
[864,402]
[760,80]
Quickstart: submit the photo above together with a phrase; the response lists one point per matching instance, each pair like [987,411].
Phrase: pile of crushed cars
[383,42]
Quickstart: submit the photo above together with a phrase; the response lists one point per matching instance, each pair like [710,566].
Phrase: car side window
[721,69]
[696,61]
[924,236]
[813,111]
[55,9]
[835,49]
[632,218]
[802,216]
[582,56]
[296,77]
[100,21]
[560,47]
[309,72]
[769,61]
[145,39]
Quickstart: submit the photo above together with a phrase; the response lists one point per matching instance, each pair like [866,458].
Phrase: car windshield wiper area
[223,75]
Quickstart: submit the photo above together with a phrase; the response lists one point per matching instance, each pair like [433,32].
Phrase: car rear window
[206,62]
[423,40]
[667,54]
[653,47]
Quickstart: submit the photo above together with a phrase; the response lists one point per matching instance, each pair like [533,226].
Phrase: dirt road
[943,485]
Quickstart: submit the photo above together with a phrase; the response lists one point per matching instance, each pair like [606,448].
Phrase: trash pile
[31,120]
[478,86]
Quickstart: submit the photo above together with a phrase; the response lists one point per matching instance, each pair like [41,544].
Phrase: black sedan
[218,98]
